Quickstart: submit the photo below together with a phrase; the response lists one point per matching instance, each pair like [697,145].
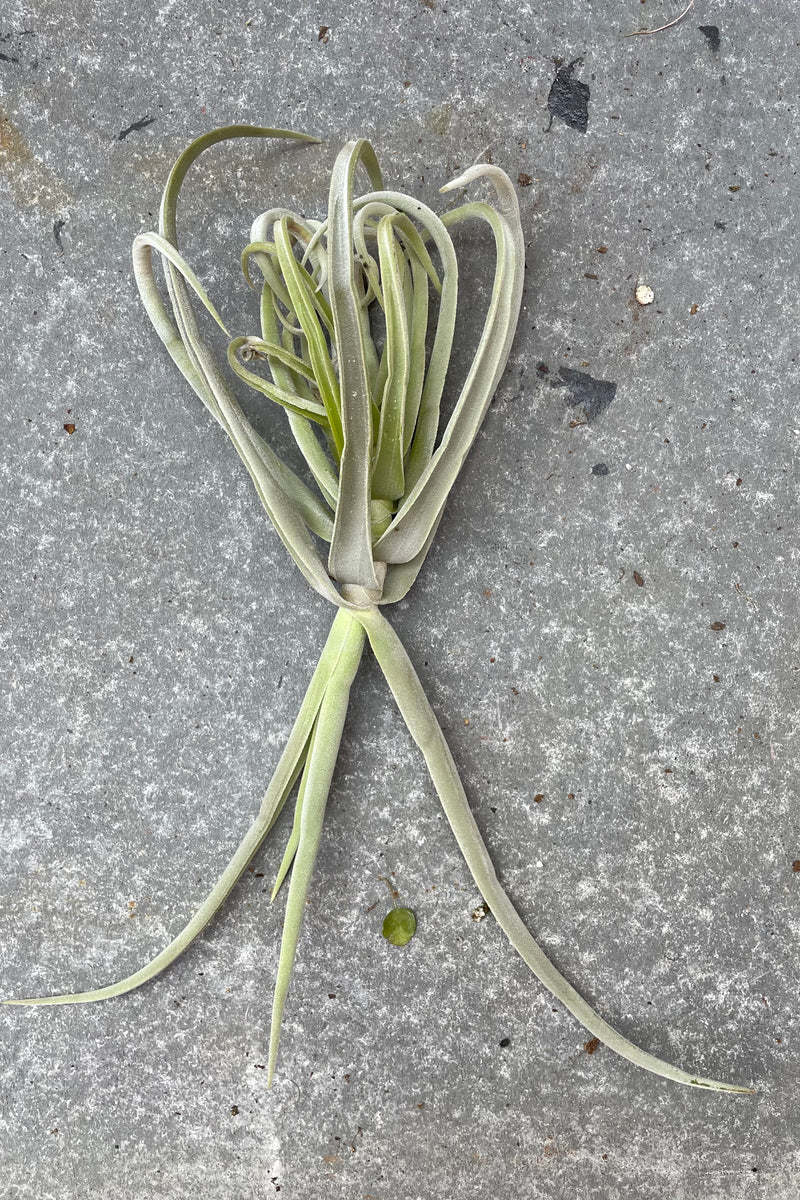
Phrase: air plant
[357,317]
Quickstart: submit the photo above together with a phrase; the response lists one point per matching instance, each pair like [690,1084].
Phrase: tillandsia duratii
[357,318]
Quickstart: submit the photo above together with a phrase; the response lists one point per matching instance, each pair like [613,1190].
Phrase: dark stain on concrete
[593,395]
[31,182]
[135,127]
[711,34]
[57,227]
[569,98]
[13,46]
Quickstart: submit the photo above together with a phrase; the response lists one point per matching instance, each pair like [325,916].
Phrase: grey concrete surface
[613,653]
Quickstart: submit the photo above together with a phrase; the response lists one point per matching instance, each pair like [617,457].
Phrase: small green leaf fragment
[399,926]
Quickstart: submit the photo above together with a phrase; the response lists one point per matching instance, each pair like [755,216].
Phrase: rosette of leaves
[357,317]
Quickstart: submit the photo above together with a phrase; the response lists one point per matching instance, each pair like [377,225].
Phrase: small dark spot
[324,34]
[720,225]
[593,395]
[569,98]
[739,482]
[331,995]
[543,368]
[591,1045]
[538,798]
[694,309]
[602,249]
[524,180]
[9,58]
[711,34]
[796,865]
[505,1042]
[589,275]
[599,469]
[715,678]
[638,579]
[135,127]
[735,187]
[234,1110]
[717,626]
[70,428]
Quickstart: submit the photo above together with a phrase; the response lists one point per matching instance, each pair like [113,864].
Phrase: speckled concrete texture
[607,625]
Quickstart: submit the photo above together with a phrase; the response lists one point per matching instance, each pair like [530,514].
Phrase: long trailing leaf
[426,732]
[289,766]
[317,781]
